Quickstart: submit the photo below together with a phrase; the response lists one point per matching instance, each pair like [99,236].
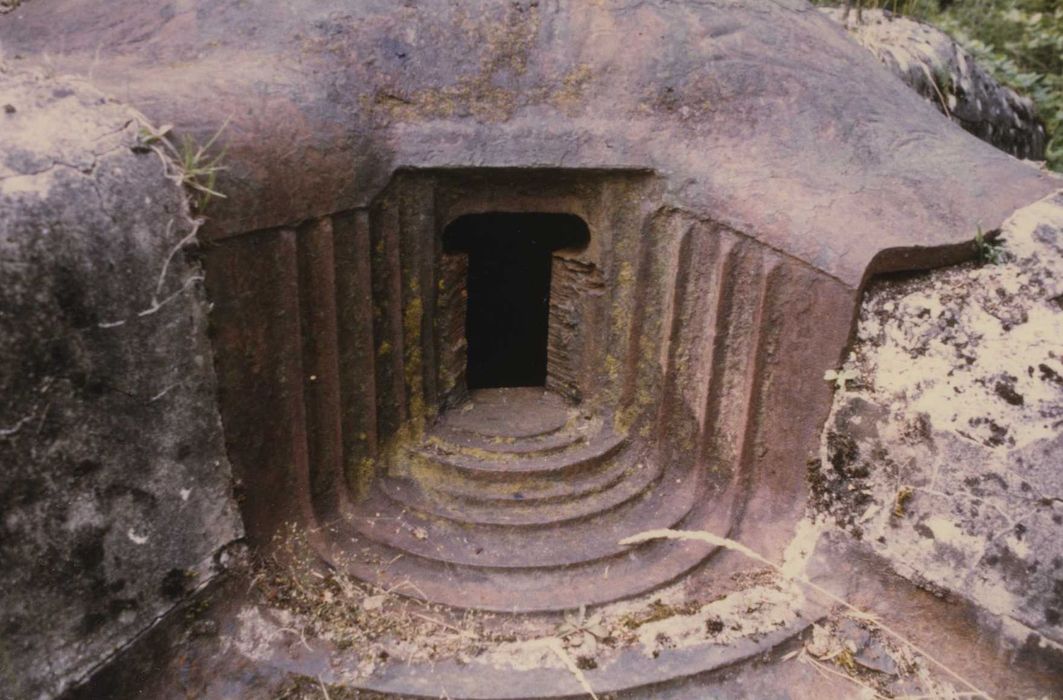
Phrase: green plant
[196,168]
[1020,43]
[989,250]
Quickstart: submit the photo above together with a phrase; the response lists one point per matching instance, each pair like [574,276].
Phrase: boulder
[943,451]
[116,498]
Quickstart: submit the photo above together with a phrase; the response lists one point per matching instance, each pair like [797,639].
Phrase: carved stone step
[445,439]
[541,491]
[515,512]
[635,570]
[431,464]
[512,412]
[595,537]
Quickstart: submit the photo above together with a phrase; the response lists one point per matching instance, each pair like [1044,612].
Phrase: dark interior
[509,291]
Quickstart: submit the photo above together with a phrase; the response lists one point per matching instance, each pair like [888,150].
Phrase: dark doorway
[509,291]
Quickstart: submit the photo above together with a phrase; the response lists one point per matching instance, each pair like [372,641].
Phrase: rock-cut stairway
[517,502]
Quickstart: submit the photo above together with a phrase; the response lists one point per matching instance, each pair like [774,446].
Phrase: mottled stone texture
[947,76]
[944,453]
[761,115]
[115,491]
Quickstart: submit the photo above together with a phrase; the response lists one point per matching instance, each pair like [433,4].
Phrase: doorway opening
[508,286]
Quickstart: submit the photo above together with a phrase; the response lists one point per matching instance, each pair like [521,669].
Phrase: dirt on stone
[315,604]
[944,455]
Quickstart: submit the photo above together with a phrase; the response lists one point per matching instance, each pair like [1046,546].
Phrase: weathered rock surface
[793,163]
[944,73]
[763,116]
[115,494]
[944,453]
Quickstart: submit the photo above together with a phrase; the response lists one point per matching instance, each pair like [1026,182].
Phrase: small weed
[989,250]
[195,168]
[846,660]
[841,378]
[579,623]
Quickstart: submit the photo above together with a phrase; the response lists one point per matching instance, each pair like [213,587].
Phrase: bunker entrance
[508,285]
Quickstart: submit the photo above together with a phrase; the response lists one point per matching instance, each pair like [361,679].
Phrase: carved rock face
[741,169]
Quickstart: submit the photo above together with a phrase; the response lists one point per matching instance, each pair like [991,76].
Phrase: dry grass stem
[716,540]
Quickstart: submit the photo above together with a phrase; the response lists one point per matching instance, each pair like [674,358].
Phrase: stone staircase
[517,502]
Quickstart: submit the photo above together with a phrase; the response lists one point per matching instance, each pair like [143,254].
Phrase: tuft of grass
[188,162]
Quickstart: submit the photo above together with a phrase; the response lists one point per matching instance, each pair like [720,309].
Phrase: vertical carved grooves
[641,314]
[671,341]
[772,282]
[289,309]
[700,318]
[738,317]
[716,344]
[450,326]
[260,370]
[759,348]
[357,351]
[432,251]
[387,318]
[321,391]
[415,270]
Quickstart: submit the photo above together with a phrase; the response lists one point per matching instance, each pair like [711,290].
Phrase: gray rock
[944,455]
[115,495]
[943,72]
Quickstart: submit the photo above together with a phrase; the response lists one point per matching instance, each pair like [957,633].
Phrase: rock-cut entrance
[508,287]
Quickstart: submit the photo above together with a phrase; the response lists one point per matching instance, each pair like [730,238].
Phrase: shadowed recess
[509,291]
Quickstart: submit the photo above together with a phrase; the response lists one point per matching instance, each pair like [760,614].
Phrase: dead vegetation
[356,616]
[321,604]
[897,639]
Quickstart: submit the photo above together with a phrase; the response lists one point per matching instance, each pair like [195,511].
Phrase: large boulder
[115,496]
[943,453]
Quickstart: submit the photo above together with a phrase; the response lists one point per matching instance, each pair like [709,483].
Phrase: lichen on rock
[115,494]
[944,453]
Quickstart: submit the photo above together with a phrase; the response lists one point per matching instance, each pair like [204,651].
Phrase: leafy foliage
[988,250]
[1020,42]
